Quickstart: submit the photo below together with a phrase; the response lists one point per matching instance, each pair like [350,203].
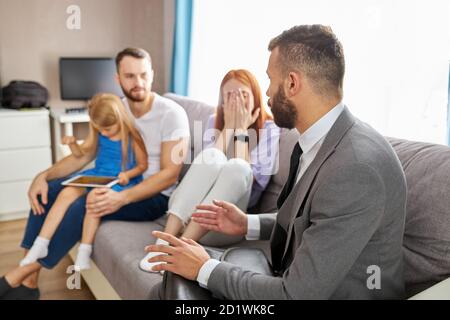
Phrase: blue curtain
[181,47]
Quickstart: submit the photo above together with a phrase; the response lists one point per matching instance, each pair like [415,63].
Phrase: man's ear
[294,84]
[152,75]
[117,78]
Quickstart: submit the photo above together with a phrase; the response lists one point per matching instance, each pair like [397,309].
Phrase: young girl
[120,151]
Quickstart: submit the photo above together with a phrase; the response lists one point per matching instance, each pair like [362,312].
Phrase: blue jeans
[70,229]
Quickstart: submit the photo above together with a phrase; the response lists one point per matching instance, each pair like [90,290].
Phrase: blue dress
[108,161]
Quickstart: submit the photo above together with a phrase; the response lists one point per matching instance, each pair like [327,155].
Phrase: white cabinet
[24,151]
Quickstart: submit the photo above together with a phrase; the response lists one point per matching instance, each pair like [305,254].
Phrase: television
[82,78]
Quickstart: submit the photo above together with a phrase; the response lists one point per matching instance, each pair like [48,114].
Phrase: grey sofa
[119,245]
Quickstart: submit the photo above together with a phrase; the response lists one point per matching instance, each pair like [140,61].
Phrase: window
[397,54]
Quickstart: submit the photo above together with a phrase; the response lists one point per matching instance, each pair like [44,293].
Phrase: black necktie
[293,168]
[278,240]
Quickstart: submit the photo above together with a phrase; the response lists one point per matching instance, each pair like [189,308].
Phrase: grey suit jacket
[339,233]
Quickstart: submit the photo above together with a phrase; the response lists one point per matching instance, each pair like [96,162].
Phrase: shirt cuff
[205,271]
[253,227]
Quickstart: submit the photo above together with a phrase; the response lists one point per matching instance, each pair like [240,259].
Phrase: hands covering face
[239,110]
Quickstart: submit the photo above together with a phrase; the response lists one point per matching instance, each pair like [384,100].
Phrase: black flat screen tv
[82,78]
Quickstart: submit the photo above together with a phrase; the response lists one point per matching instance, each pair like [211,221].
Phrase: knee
[68,194]
[238,169]
[210,156]
[54,188]
[238,165]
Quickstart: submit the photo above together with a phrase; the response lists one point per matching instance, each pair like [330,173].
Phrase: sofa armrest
[440,291]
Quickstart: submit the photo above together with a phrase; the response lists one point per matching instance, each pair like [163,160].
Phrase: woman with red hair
[240,151]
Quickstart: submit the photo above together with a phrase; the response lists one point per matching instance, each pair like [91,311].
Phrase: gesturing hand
[184,256]
[222,217]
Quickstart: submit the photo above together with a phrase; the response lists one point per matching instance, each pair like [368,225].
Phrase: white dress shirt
[310,142]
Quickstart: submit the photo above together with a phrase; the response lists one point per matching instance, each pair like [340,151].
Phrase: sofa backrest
[426,242]
[198,114]
[427,170]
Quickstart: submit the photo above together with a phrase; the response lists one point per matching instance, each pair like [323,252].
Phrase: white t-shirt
[166,121]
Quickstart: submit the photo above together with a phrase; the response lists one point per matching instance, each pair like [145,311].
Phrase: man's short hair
[315,51]
[137,53]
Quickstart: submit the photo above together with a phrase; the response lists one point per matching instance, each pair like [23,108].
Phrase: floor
[52,283]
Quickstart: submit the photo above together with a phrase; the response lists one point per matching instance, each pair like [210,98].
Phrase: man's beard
[133,96]
[283,110]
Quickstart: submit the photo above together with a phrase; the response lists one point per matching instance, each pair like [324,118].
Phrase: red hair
[248,79]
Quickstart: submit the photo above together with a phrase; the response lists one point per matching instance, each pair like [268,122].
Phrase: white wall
[397,54]
[33,35]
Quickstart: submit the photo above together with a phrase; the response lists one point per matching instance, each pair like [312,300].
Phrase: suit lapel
[290,209]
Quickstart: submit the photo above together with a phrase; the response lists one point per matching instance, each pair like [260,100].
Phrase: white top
[166,121]
[310,142]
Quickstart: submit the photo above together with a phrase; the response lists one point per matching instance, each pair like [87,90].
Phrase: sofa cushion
[427,227]
[119,246]
[118,249]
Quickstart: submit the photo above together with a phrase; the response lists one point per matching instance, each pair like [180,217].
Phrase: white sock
[83,260]
[38,250]
[147,266]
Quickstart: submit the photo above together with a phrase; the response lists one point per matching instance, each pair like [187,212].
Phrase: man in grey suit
[340,222]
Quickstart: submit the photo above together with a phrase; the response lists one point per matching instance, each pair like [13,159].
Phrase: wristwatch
[242,137]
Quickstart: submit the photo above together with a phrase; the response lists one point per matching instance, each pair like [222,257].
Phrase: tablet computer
[91,181]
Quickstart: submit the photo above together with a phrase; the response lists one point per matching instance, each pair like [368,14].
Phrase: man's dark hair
[315,51]
[132,52]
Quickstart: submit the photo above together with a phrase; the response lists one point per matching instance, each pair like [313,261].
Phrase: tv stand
[77,110]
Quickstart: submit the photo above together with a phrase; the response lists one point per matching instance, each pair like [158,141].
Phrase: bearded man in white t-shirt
[164,127]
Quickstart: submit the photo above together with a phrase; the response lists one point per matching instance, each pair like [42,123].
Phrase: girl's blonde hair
[107,109]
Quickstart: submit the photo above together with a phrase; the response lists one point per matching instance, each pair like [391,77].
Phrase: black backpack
[24,94]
